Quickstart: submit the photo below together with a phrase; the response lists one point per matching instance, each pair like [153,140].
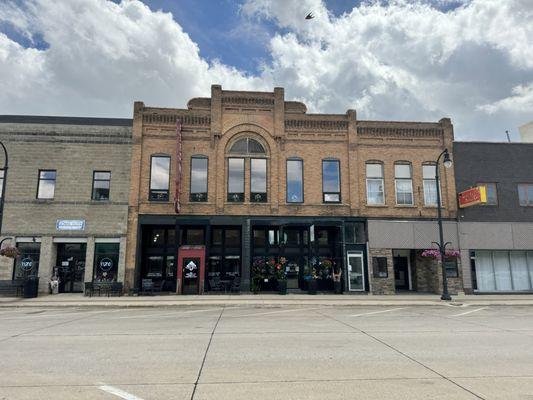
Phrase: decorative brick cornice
[316,125]
[187,120]
[386,131]
[248,101]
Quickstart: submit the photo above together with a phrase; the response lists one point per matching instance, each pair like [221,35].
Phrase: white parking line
[169,314]
[469,312]
[276,312]
[118,392]
[377,312]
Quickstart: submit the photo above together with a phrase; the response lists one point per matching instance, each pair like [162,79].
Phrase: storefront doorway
[70,266]
[402,271]
[356,273]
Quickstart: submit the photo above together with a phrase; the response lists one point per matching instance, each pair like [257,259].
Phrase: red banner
[177,182]
[473,196]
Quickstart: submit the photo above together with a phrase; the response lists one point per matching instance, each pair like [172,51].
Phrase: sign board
[473,196]
[106,264]
[70,224]
[26,264]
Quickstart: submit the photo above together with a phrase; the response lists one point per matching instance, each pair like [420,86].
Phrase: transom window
[375,191]
[247,146]
[404,184]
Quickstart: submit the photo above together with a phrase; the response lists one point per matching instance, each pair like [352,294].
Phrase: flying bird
[310,16]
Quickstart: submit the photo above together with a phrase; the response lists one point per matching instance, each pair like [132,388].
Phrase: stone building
[66,200]
[261,179]
[496,238]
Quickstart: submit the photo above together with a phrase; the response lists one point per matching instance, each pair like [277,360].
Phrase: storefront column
[47,261]
[122,260]
[89,260]
[246,264]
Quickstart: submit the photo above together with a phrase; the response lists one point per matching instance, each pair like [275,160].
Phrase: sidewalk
[78,300]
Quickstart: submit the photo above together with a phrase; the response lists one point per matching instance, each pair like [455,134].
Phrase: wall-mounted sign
[26,264]
[473,196]
[70,224]
[106,264]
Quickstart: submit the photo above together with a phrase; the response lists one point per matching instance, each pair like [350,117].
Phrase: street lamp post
[442,246]
[3,185]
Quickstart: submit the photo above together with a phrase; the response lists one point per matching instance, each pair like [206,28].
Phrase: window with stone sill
[198,179]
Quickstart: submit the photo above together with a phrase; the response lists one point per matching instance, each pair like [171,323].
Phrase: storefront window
[503,270]
[354,232]
[155,266]
[27,264]
[106,257]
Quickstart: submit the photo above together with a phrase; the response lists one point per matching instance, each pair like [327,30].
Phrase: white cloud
[396,59]
[101,57]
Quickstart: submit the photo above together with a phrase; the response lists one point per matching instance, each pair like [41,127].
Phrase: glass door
[71,266]
[356,276]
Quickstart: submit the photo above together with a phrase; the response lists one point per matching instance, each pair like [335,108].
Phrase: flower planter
[312,286]
[282,287]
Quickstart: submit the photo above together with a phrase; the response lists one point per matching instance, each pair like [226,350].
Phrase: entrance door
[401,273]
[356,276]
[71,266]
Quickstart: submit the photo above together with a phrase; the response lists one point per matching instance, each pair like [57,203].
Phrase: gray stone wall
[381,285]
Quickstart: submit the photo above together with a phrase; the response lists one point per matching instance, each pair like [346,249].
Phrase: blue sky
[470,60]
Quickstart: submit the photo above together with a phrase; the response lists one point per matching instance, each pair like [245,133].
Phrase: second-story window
[492,194]
[247,157]
[198,185]
[404,184]
[430,185]
[525,194]
[47,184]
[235,179]
[159,178]
[375,189]
[101,185]
[258,180]
[331,181]
[295,181]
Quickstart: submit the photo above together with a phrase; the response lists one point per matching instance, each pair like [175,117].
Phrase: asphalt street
[249,352]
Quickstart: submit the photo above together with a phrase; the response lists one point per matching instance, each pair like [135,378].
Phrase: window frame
[301,161]
[199,197]
[410,180]
[495,185]
[39,184]
[381,164]
[335,160]
[101,180]
[263,195]
[434,180]
[529,202]
[228,198]
[151,191]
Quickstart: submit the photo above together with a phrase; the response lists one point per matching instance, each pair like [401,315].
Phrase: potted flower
[281,275]
[312,284]
[9,251]
[258,270]
[435,254]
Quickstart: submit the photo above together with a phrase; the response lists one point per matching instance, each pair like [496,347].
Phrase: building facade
[66,200]
[248,178]
[496,238]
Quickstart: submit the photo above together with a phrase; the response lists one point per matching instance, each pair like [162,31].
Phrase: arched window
[247,146]
[247,153]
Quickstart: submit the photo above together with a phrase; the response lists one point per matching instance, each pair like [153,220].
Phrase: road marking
[276,312]
[168,314]
[118,392]
[377,312]
[469,312]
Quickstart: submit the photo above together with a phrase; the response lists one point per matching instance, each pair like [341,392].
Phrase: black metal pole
[442,245]
[3,186]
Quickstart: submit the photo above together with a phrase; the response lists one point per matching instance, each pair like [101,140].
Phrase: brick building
[66,200]
[260,178]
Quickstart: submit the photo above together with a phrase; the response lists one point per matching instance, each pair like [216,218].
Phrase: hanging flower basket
[9,251]
[435,254]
